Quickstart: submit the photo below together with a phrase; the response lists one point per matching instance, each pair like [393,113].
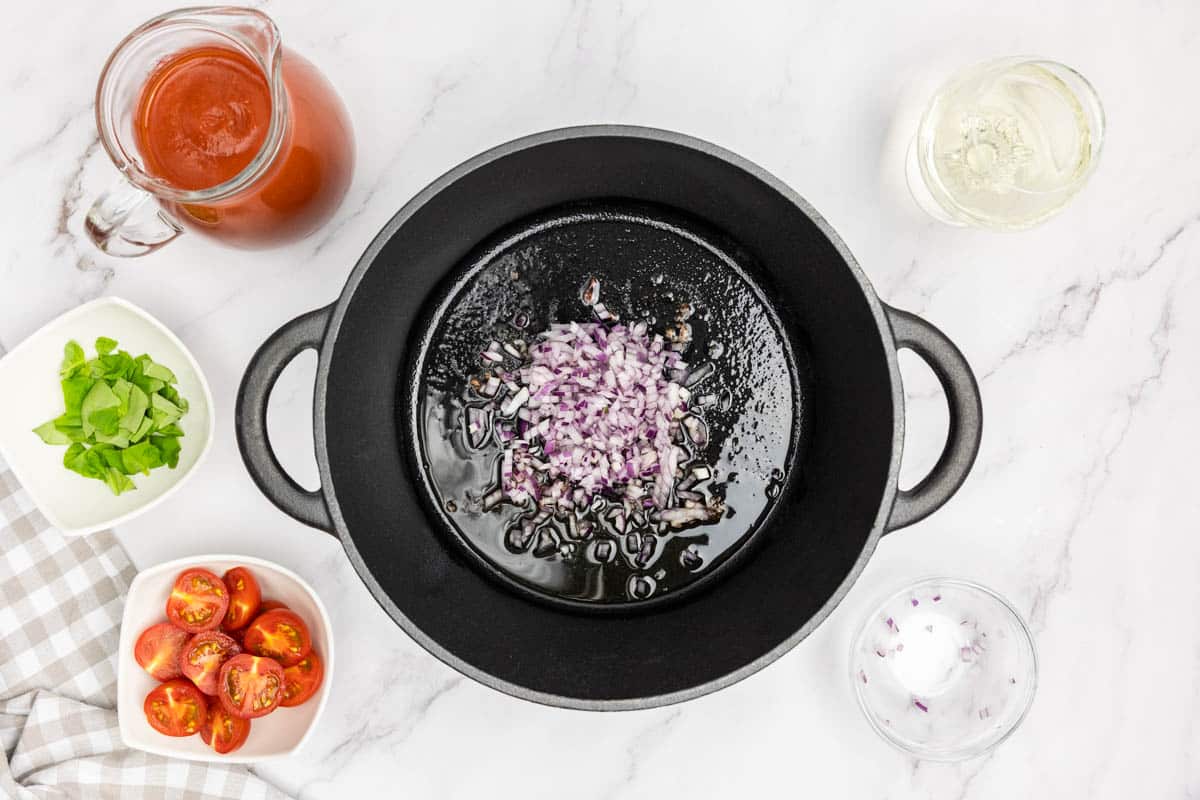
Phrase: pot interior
[823,525]
[648,264]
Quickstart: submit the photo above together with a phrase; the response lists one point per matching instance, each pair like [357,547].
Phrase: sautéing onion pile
[596,425]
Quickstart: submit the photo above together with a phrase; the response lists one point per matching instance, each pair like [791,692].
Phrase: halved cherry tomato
[244,598]
[279,634]
[263,607]
[239,635]
[236,635]
[224,732]
[250,686]
[203,656]
[198,601]
[302,679]
[158,648]
[176,708]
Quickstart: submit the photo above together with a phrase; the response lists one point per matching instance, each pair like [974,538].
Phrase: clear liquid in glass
[1006,144]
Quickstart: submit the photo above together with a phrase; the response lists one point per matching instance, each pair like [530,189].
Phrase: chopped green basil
[121,417]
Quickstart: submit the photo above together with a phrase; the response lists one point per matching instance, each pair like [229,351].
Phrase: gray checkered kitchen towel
[60,612]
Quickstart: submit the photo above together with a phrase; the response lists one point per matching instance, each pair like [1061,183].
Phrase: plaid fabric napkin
[60,611]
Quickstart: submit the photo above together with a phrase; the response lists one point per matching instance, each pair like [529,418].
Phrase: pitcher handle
[126,221]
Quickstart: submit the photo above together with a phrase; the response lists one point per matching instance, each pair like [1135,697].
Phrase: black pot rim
[368,258]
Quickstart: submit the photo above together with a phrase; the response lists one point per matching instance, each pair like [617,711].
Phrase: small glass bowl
[944,669]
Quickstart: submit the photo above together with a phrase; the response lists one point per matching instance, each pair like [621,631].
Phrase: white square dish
[32,394]
[279,733]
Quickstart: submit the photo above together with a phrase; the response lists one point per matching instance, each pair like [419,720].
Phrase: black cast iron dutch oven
[660,214]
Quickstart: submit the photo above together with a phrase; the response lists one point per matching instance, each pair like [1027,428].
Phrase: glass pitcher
[150,109]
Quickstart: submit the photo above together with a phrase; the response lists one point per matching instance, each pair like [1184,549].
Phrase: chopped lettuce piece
[135,412]
[51,434]
[74,390]
[99,397]
[117,481]
[106,421]
[121,415]
[73,359]
[117,439]
[152,370]
[141,457]
[142,430]
[169,447]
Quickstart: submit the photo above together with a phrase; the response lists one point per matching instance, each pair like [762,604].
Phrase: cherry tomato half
[236,635]
[244,598]
[224,732]
[203,656]
[198,601]
[158,648]
[250,686]
[279,634]
[239,635]
[176,708]
[302,679]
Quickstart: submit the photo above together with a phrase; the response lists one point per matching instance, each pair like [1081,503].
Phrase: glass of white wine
[1006,144]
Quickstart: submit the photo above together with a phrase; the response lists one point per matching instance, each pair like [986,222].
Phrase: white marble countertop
[1082,506]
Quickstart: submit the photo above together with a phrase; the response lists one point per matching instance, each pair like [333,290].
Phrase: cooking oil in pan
[750,399]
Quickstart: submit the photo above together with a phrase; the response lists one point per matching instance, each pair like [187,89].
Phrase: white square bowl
[32,394]
[279,733]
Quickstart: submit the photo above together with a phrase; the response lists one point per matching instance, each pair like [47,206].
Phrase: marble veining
[1084,332]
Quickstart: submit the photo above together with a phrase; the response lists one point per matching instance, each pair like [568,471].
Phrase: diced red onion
[679,333]
[490,386]
[590,294]
[590,397]
[696,431]
[492,499]
[685,516]
[699,374]
[478,426]
[603,313]
[512,404]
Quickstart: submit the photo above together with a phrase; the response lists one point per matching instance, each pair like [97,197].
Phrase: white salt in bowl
[944,669]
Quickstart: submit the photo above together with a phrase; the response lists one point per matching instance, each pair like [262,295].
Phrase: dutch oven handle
[966,418]
[303,333]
